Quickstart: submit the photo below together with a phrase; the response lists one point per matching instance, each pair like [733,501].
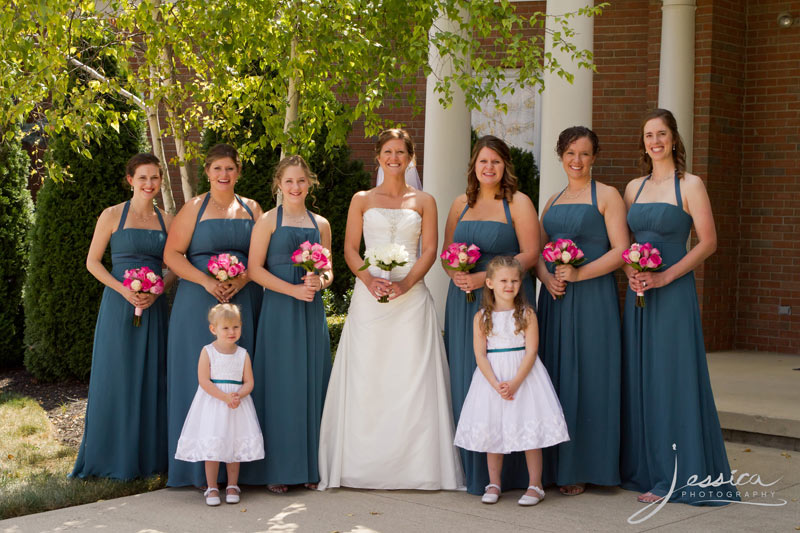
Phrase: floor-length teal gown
[668,409]
[292,365]
[188,327]
[493,238]
[580,345]
[126,416]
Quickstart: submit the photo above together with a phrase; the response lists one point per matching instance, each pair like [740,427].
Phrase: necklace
[571,196]
[144,219]
[294,219]
[218,206]
[662,179]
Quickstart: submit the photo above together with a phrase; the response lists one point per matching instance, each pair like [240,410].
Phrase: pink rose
[232,271]
[453,261]
[444,255]
[654,261]
[306,246]
[224,261]
[316,255]
[316,247]
[319,265]
[626,256]
[297,256]
[146,284]
[158,287]
[213,267]
[127,282]
[561,244]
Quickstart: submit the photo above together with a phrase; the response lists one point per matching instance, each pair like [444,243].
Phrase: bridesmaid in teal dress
[210,224]
[126,415]
[500,220]
[293,356]
[670,427]
[579,322]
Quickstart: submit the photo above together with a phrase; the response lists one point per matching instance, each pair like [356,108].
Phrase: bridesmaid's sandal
[572,490]
[278,489]
[527,500]
[491,497]
[232,497]
[311,486]
[649,497]
[212,496]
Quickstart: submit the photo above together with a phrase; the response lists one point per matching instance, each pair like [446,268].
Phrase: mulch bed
[65,403]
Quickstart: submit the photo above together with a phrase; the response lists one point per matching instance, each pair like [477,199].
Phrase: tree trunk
[188,186]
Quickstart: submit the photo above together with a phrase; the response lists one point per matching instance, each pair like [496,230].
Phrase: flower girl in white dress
[221,425]
[511,404]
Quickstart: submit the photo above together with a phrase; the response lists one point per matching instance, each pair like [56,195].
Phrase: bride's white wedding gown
[387,422]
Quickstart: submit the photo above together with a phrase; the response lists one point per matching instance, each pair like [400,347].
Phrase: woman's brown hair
[678,149]
[508,183]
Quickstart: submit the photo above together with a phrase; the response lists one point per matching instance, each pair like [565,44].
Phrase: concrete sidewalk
[346,510]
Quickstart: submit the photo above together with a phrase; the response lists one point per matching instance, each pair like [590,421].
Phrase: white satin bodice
[382,225]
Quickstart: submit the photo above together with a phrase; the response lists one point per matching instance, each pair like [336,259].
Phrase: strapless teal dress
[670,426]
[493,238]
[580,345]
[188,327]
[126,416]
[292,366]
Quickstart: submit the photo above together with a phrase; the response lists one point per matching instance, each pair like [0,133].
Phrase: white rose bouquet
[385,257]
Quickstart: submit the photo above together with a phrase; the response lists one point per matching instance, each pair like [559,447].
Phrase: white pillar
[676,70]
[447,153]
[563,104]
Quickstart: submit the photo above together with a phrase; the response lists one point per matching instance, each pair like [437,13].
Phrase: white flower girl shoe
[212,496]
[532,500]
[232,498]
[488,497]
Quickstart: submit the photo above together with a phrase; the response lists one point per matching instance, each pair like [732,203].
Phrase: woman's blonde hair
[293,161]
[488,302]
[508,182]
[224,313]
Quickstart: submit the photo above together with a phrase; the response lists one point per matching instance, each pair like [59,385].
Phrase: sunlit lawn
[34,465]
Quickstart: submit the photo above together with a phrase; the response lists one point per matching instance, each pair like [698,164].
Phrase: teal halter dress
[125,428]
[493,238]
[581,347]
[292,366]
[669,421]
[188,327]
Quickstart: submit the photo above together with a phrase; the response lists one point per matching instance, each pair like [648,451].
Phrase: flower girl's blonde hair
[224,313]
[488,302]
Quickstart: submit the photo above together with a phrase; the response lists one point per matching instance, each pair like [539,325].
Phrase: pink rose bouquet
[563,252]
[312,257]
[462,258]
[144,280]
[643,258]
[225,267]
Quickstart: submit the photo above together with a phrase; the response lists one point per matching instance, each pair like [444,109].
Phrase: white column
[676,70]
[446,157]
[564,104]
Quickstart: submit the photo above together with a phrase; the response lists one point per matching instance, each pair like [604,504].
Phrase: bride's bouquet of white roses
[385,257]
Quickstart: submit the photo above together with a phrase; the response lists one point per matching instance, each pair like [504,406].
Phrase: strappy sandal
[213,501]
[488,497]
[527,501]
[649,497]
[232,498]
[573,489]
[278,489]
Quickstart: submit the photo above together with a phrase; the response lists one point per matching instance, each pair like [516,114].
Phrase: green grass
[34,465]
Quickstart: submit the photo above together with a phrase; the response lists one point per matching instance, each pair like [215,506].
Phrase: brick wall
[770,192]
[719,99]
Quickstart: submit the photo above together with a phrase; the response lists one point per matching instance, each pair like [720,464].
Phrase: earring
[673,147]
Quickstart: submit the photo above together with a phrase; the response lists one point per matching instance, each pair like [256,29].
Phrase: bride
[387,422]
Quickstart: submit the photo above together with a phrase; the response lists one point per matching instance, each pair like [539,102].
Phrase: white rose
[222,275]
[462,257]
[234,260]
[635,256]
[151,277]
[306,255]
[565,257]
[136,285]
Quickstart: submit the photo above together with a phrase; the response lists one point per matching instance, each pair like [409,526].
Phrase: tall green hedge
[16,211]
[339,178]
[61,296]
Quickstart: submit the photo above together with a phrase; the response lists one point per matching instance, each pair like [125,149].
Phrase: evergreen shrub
[61,297]
[16,212]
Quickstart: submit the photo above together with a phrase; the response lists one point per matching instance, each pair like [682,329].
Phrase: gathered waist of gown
[498,350]
[123,261]
[200,260]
